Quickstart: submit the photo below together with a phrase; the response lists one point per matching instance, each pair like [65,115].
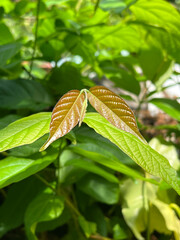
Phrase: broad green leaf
[24,131]
[87,136]
[103,157]
[135,204]
[167,150]
[111,37]
[69,174]
[169,106]
[23,94]
[46,206]
[156,13]
[150,160]
[65,78]
[121,77]
[87,227]
[7,51]
[65,116]
[6,35]
[114,109]
[155,66]
[99,188]
[163,219]
[91,167]
[18,197]
[14,169]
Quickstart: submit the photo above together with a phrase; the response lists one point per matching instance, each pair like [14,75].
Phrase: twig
[36,32]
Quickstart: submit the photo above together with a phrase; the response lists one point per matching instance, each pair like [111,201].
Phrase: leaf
[14,169]
[87,227]
[65,116]
[18,197]
[167,150]
[99,188]
[163,219]
[24,94]
[156,13]
[46,206]
[65,78]
[91,167]
[105,158]
[114,109]
[8,51]
[24,131]
[169,106]
[150,160]
[6,35]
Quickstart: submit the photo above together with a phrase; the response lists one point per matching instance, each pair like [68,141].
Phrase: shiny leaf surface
[141,153]
[114,109]
[65,115]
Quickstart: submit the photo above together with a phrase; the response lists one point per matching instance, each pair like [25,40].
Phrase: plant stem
[98,237]
[45,182]
[36,32]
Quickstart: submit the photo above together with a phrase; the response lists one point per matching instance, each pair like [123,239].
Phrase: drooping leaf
[114,109]
[24,131]
[65,116]
[141,153]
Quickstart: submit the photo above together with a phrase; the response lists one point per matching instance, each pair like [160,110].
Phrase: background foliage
[83,186]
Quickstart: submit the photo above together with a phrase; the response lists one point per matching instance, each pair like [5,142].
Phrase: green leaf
[18,197]
[69,174]
[103,157]
[87,227]
[150,160]
[163,219]
[156,13]
[6,35]
[111,37]
[65,78]
[99,188]
[13,169]
[167,150]
[8,51]
[46,206]
[24,131]
[91,167]
[23,94]
[169,106]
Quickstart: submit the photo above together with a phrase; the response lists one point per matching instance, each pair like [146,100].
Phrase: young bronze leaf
[65,115]
[114,109]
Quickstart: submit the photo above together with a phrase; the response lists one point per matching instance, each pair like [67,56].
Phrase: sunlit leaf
[65,115]
[24,131]
[141,153]
[114,109]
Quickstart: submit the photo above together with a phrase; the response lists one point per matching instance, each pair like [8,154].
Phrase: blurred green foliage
[84,186]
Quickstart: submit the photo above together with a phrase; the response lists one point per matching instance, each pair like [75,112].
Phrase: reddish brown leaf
[114,109]
[65,115]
